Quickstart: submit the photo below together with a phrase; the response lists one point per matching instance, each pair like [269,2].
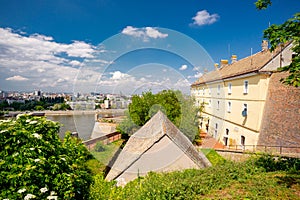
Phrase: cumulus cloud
[183,67]
[197,75]
[41,58]
[117,75]
[145,33]
[204,18]
[17,78]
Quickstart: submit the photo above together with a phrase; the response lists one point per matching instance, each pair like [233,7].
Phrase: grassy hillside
[260,177]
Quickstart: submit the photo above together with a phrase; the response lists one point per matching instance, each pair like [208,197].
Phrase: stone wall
[281,119]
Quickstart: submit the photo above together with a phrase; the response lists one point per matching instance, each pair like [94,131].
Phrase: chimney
[216,66]
[264,45]
[233,59]
[223,63]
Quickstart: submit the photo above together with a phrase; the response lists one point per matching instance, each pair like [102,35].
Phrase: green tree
[34,162]
[277,35]
[178,108]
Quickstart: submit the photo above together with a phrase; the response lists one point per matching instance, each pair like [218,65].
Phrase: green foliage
[213,157]
[127,126]
[61,106]
[104,157]
[263,4]
[271,163]
[229,180]
[99,147]
[178,108]
[35,162]
[279,35]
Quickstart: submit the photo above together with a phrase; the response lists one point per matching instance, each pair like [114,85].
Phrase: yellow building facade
[234,96]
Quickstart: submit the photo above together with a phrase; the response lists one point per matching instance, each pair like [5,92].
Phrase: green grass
[102,159]
[213,156]
[225,180]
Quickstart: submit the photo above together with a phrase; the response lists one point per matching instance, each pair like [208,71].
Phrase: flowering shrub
[36,164]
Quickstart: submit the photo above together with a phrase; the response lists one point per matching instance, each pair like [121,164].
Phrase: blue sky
[115,45]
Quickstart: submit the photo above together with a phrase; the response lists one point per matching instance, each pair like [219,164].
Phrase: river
[83,124]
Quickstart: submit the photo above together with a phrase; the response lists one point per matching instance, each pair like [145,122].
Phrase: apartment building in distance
[246,104]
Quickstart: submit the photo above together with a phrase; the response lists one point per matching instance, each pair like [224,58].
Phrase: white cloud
[41,58]
[197,75]
[17,78]
[204,18]
[75,63]
[145,33]
[153,33]
[183,67]
[117,75]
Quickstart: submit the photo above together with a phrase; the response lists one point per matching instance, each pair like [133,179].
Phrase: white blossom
[52,193]
[37,160]
[43,190]
[52,197]
[28,120]
[33,122]
[3,131]
[29,196]
[21,190]
[37,136]
[63,159]
[32,148]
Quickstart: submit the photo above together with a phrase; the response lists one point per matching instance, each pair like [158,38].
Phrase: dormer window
[246,85]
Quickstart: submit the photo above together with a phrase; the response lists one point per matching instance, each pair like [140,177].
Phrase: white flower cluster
[52,195]
[37,136]
[29,196]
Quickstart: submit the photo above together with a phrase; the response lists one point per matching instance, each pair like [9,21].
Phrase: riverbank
[83,112]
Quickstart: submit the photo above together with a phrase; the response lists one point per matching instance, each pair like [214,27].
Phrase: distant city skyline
[114,46]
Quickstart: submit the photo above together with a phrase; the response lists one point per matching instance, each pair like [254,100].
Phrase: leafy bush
[271,163]
[99,147]
[35,163]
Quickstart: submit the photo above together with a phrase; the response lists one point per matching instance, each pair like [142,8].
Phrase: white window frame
[218,89]
[229,106]
[229,88]
[246,87]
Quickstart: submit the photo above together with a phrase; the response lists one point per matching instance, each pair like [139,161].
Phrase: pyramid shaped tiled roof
[155,130]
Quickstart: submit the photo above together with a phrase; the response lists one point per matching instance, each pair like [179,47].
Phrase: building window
[229,88]
[209,91]
[209,103]
[243,141]
[203,91]
[229,107]
[225,139]
[219,89]
[216,130]
[246,87]
[245,110]
[218,105]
